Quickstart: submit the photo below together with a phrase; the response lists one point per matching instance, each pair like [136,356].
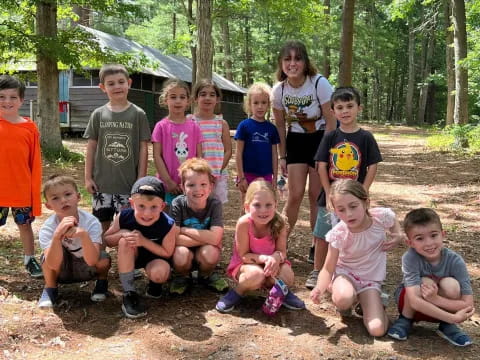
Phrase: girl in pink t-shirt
[175,138]
[356,261]
[259,254]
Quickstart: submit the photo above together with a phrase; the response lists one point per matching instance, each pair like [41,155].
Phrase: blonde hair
[56,180]
[349,186]
[257,88]
[277,223]
[196,165]
[169,85]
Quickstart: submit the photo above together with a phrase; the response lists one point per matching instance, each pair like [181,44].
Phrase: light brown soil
[188,327]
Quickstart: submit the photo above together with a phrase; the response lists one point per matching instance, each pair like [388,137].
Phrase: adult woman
[301,105]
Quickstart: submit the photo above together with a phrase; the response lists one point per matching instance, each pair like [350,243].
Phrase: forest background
[415,62]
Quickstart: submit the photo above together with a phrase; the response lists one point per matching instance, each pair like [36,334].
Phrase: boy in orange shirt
[20,168]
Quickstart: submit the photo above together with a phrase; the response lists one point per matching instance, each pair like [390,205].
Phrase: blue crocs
[227,303]
[453,334]
[293,302]
[400,329]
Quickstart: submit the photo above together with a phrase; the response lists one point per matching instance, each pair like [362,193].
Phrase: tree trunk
[193,46]
[84,15]
[426,71]
[227,53]
[450,64]
[460,115]
[326,49]
[47,73]
[248,55]
[346,52]
[205,41]
[411,75]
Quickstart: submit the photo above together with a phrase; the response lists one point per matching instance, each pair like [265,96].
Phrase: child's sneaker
[48,298]
[137,273]
[275,298]
[400,329]
[154,290]
[100,291]
[34,268]
[132,306]
[215,282]
[293,302]
[227,303]
[179,285]
[453,334]
[312,279]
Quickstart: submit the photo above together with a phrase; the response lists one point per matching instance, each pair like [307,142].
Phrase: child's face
[177,101]
[63,199]
[147,209]
[262,207]
[293,65]
[346,112]
[207,99]
[427,240]
[197,188]
[259,104]
[10,102]
[116,86]
[352,211]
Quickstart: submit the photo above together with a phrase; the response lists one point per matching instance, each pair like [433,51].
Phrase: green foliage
[63,158]
[456,138]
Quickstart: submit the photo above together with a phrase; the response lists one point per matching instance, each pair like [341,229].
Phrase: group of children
[172,223]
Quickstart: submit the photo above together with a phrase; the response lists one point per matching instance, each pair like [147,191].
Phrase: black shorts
[302,147]
[145,256]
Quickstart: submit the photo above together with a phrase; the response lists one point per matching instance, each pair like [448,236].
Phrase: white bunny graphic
[181,147]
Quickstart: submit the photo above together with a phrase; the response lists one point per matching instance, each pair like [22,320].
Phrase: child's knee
[254,277]
[449,287]
[286,274]
[159,274]
[208,255]
[376,327]
[428,281]
[182,256]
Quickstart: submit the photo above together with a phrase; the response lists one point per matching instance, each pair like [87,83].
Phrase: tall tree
[411,74]
[450,63]
[326,47]
[426,70]
[205,41]
[346,51]
[460,115]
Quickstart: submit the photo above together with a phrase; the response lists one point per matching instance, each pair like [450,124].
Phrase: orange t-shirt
[20,165]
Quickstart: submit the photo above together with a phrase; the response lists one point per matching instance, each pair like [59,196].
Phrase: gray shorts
[323,224]
[75,269]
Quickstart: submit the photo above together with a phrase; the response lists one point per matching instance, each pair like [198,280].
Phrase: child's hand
[271,266]
[67,227]
[429,291]
[173,187]
[316,294]
[91,186]
[242,185]
[248,260]
[463,314]
[134,238]
[393,239]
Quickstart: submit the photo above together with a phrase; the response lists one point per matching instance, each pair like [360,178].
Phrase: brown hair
[197,165]
[422,217]
[348,186]
[11,82]
[257,88]
[169,85]
[203,83]
[56,180]
[112,69]
[278,222]
[299,48]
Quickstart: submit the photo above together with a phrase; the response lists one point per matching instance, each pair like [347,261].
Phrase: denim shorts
[323,224]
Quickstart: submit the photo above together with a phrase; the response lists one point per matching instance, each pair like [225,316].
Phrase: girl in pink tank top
[259,254]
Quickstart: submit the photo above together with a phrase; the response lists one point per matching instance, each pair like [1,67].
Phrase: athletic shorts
[145,256]
[75,269]
[360,285]
[21,215]
[105,206]
[400,299]
[302,147]
[250,177]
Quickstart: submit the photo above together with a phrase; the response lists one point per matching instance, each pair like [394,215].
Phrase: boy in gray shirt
[436,286]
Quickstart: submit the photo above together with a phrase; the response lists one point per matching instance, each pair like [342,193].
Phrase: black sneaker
[311,255]
[132,306]
[34,268]
[100,291]
[154,290]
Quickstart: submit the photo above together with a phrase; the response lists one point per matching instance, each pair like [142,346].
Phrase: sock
[128,281]
[52,293]
[26,259]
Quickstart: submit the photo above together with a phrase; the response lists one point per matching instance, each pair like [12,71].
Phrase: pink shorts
[360,285]
[252,177]
[234,272]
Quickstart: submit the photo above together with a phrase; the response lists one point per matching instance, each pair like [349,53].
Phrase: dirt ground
[188,327]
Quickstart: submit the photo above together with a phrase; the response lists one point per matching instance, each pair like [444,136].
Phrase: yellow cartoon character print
[345,161]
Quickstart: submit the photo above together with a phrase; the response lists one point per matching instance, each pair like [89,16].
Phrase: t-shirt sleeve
[217,213]
[94,230]
[144,127]
[91,132]
[336,236]
[157,132]
[277,96]
[374,155]
[324,90]
[411,266]
[323,151]
[385,216]
[460,273]
[176,210]
[240,133]
[45,235]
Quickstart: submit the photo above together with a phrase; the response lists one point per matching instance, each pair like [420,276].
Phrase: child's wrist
[240,179]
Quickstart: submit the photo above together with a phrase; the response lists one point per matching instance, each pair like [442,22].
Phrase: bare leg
[26,236]
[374,317]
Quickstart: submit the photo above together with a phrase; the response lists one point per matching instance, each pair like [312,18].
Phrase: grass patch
[460,138]
[63,157]
[86,200]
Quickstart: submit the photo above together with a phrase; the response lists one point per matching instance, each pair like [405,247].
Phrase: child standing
[217,145]
[117,148]
[20,168]
[146,239]
[175,138]
[436,286]
[348,152]
[356,262]
[71,240]
[257,139]
[260,251]
[200,220]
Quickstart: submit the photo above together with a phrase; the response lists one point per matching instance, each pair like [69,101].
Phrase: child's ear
[47,205]
[360,108]
[130,200]
[129,81]
[102,87]
[163,206]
